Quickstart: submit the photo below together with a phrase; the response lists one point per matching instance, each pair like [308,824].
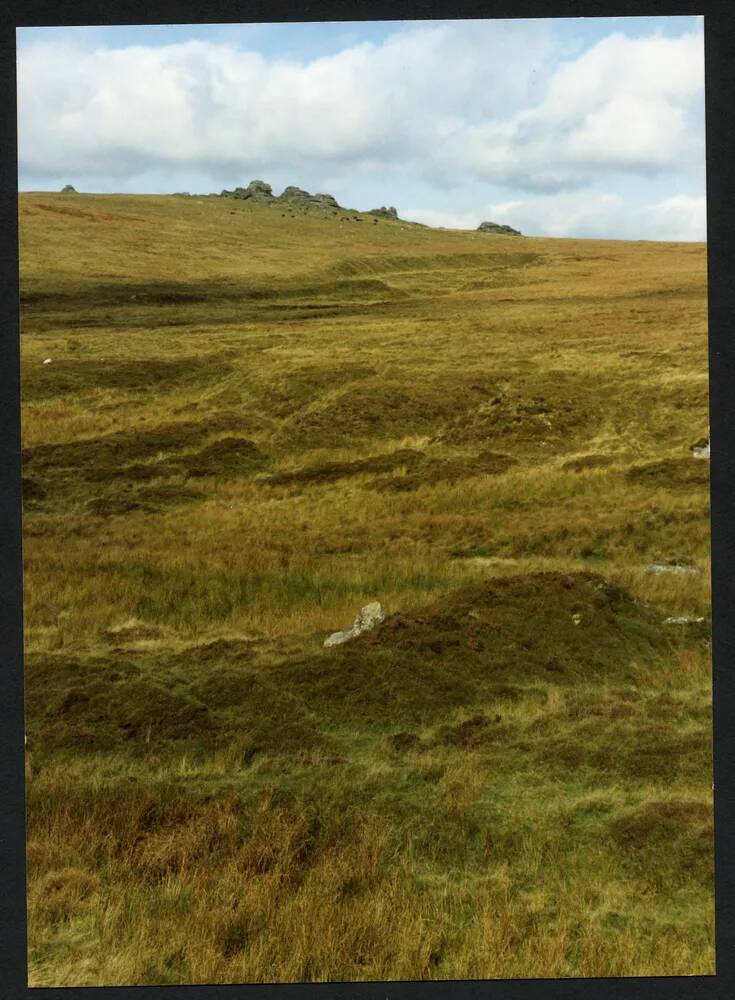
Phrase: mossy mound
[667,841]
[670,473]
[418,665]
[230,457]
[77,376]
[94,704]
[584,462]
[447,470]
[331,472]
[578,615]
[152,701]
[33,492]
[393,405]
[95,456]
[553,407]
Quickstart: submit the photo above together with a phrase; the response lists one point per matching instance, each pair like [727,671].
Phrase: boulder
[700,449]
[299,197]
[255,191]
[494,227]
[370,616]
[384,213]
[260,191]
[293,193]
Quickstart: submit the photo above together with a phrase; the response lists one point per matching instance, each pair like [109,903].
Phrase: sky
[584,127]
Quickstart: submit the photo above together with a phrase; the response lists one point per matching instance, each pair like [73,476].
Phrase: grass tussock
[238,444]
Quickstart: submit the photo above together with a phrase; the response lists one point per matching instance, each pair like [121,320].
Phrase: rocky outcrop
[384,213]
[294,197]
[299,198]
[255,191]
[293,193]
[370,616]
[494,227]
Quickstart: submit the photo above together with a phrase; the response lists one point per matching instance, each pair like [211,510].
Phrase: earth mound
[563,623]
[418,665]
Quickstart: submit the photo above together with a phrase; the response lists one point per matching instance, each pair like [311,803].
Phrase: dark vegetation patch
[163,293]
[161,496]
[671,473]
[229,457]
[387,407]
[33,492]
[40,208]
[478,730]
[400,743]
[219,651]
[114,506]
[629,749]
[557,406]
[151,500]
[587,462]
[384,264]
[493,615]
[80,376]
[667,843]
[119,455]
[331,472]
[258,710]
[227,397]
[160,701]
[96,704]
[438,470]
[286,394]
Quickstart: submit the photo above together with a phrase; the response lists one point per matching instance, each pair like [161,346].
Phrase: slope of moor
[253,422]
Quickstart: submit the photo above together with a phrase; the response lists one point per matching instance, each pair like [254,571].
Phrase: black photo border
[719,29]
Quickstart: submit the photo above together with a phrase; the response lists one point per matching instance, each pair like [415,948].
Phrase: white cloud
[631,105]
[453,101]
[211,105]
[602,216]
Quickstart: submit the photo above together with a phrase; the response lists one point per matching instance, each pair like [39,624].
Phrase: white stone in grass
[47,361]
[370,616]
[681,569]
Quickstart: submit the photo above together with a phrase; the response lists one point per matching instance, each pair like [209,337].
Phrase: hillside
[243,422]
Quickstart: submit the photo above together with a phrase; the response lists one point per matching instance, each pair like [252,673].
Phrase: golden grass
[573,838]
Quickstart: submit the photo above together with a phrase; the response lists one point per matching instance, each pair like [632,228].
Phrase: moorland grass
[252,424]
